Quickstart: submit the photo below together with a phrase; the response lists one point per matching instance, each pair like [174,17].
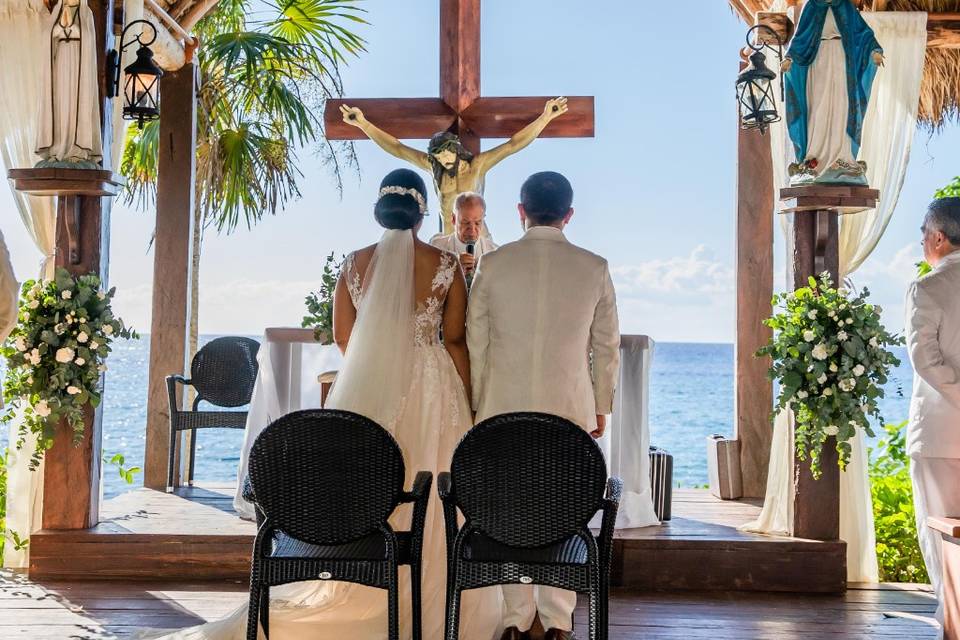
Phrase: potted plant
[320,303]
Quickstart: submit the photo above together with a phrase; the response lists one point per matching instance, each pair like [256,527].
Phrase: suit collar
[949,259]
[545,233]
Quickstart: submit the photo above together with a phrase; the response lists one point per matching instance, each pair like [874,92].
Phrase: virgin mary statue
[828,75]
[68,133]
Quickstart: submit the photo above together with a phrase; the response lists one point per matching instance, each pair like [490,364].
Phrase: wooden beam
[172,250]
[753,399]
[459,52]
[71,474]
[943,30]
[503,117]
[411,118]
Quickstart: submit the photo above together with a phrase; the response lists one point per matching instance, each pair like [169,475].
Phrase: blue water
[691,397]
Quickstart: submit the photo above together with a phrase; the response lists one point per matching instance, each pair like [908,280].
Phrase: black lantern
[141,87]
[755,92]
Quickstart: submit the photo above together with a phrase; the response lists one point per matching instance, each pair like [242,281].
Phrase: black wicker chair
[223,373]
[528,485]
[324,483]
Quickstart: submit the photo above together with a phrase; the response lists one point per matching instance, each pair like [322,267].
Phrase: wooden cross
[460,108]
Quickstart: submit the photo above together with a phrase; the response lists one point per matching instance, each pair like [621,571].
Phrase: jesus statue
[828,74]
[455,169]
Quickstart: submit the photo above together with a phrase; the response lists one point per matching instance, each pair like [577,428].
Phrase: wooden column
[172,250]
[71,475]
[753,399]
[814,247]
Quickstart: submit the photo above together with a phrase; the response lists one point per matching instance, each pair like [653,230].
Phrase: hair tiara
[403,191]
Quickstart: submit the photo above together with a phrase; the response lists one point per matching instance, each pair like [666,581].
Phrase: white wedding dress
[418,396]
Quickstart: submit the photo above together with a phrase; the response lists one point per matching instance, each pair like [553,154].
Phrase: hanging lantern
[755,88]
[141,87]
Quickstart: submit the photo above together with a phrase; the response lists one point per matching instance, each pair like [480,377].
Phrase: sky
[654,190]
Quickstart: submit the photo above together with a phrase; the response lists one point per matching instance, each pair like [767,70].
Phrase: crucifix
[457,120]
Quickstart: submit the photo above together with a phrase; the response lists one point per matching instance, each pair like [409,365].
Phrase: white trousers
[521,602]
[935,493]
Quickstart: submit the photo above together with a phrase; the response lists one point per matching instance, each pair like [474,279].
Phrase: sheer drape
[887,136]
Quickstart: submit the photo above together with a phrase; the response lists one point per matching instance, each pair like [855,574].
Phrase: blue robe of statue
[859,43]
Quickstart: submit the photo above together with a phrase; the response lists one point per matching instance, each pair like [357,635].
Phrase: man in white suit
[933,340]
[540,310]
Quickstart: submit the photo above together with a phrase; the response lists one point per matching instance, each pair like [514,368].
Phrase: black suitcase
[661,482]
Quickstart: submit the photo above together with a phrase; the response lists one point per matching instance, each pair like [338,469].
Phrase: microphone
[471,247]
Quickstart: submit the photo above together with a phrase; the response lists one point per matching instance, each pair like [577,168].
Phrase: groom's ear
[566,218]
[523,213]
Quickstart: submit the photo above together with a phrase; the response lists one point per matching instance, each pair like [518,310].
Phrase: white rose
[102,368]
[809,336]
[842,336]
[802,394]
[80,362]
[59,329]
[859,370]
[828,391]
[812,315]
[82,336]
[42,409]
[35,357]
[873,342]
[849,320]
[20,343]
[26,316]
[822,379]
[831,314]
[108,329]
[94,345]
[843,291]
[831,430]
[66,295]
[33,304]
[847,385]
[64,355]
[36,290]
[30,380]
[865,408]
[101,295]
[820,352]
[72,390]
[833,367]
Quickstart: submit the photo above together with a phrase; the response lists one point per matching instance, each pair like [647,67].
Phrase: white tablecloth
[290,362]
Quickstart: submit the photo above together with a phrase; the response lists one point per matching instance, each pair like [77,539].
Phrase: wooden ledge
[947,526]
[63,182]
[844,199]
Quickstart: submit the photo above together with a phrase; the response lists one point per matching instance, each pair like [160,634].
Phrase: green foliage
[265,76]
[898,549]
[7,534]
[118,460]
[55,355]
[320,303]
[830,355]
[952,190]
[923,268]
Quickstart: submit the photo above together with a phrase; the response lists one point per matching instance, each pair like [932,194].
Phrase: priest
[470,238]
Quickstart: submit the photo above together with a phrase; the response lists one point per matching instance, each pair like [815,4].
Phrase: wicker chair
[528,485]
[223,373]
[324,483]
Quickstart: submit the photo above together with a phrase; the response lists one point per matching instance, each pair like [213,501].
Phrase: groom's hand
[601,427]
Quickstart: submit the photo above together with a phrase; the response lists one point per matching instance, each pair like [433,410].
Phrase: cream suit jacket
[933,340]
[542,330]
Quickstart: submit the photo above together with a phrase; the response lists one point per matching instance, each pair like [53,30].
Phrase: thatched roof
[940,90]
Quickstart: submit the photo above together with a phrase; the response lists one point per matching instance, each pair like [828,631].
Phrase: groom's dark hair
[944,216]
[546,197]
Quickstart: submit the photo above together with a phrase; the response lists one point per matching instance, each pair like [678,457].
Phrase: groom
[541,309]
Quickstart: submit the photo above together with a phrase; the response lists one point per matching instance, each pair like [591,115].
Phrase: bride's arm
[344,315]
[455,327]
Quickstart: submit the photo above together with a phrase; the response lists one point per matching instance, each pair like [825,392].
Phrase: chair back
[528,479]
[224,371]
[326,477]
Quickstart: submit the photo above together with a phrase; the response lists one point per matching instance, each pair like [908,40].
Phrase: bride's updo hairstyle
[402,200]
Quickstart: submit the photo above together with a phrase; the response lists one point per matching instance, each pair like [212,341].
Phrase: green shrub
[898,550]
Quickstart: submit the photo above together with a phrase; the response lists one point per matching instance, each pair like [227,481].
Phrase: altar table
[291,362]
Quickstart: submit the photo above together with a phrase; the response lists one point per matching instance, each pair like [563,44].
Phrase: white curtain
[887,136]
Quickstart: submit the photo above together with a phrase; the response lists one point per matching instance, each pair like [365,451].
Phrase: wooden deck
[195,534]
[46,610]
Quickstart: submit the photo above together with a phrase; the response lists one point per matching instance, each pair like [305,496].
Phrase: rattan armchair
[223,374]
[527,485]
[324,483]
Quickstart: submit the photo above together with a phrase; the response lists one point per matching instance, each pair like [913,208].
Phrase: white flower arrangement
[55,355]
[830,354]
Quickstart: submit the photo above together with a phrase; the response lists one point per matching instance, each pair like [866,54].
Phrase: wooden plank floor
[100,610]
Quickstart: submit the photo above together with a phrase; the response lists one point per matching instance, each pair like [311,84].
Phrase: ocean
[691,397]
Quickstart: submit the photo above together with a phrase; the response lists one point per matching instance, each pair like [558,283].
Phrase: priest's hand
[555,108]
[786,64]
[352,115]
[601,427]
[468,262]
[878,58]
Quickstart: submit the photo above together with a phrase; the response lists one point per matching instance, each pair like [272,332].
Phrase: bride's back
[429,264]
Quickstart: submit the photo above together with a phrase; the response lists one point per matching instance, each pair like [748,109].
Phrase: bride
[392,302]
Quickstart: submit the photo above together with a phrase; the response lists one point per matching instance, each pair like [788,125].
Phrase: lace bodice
[429,313]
